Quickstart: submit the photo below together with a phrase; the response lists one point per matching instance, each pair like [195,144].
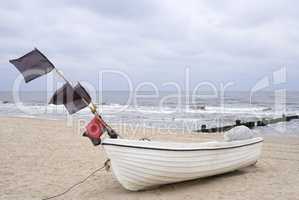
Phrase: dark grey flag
[80,90]
[74,99]
[33,65]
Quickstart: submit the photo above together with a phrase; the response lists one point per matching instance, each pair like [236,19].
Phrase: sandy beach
[40,158]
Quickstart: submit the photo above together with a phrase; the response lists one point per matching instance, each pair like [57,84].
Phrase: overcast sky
[154,40]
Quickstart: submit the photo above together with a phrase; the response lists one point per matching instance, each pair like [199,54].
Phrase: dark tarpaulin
[33,65]
[74,99]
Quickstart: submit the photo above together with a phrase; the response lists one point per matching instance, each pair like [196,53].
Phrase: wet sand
[40,158]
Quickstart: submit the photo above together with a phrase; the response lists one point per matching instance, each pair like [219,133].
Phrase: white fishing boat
[139,164]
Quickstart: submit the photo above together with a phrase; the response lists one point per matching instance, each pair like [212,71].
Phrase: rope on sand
[278,158]
[105,166]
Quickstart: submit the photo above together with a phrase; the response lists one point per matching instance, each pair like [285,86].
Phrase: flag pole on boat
[35,64]
[92,107]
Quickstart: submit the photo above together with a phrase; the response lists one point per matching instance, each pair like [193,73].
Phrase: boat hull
[140,165]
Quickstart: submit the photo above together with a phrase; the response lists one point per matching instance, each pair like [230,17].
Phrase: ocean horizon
[165,110]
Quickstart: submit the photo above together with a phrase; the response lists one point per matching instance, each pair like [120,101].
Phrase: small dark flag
[80,90]
[33,65]
[74,99]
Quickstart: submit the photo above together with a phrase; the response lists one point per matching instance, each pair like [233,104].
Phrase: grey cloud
[149,38]
[132,9]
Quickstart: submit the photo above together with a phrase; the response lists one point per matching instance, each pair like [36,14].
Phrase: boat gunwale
[193,149]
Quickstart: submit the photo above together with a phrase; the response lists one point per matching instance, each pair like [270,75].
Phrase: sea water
[166,110]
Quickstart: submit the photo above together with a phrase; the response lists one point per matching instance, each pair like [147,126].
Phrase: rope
[145,139]
[78,183]
[278,158]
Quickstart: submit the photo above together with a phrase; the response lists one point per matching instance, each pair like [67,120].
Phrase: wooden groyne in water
[249,124]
